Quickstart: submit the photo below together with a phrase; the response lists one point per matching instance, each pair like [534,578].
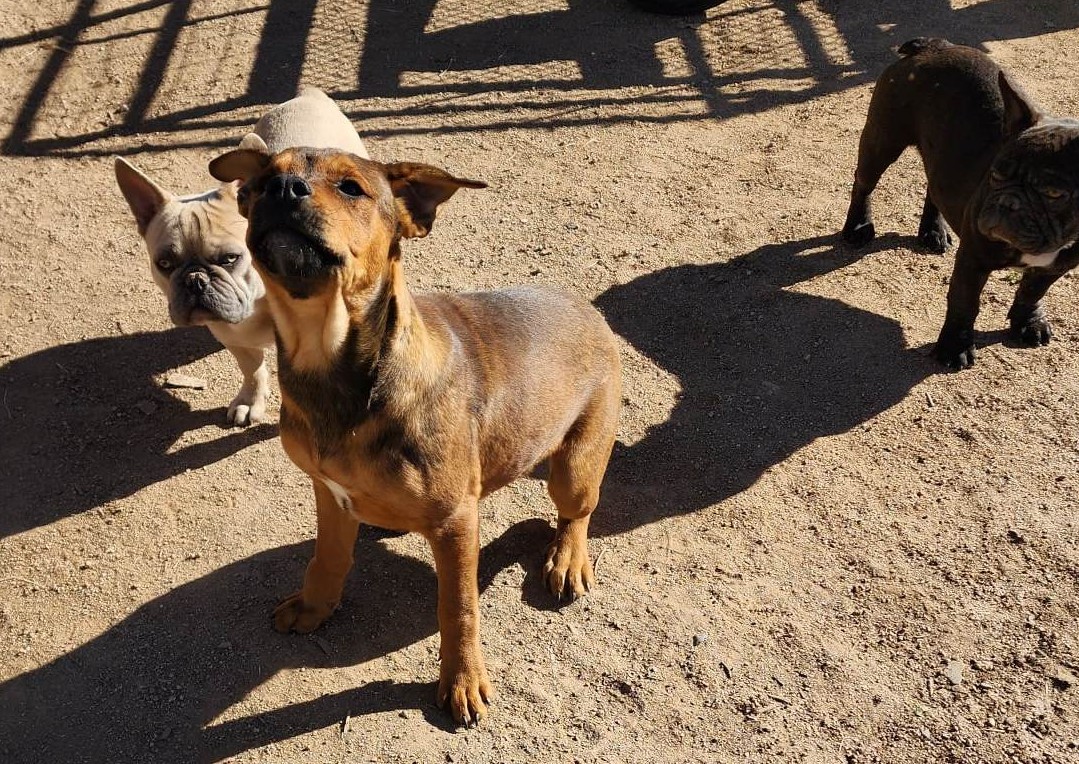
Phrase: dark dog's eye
[165,265]
[1054,193]
[996,176]
[349,187]
[227,260]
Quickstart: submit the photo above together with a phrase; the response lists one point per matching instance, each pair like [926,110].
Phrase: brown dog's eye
[227,260]
[1054,193]
[164,265]
[350,188]
[996,176]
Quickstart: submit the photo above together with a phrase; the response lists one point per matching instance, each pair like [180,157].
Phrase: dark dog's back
[945,100]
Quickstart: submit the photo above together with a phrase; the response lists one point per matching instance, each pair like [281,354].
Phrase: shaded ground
[806,528]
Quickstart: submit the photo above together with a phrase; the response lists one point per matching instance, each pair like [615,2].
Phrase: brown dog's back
[517,340]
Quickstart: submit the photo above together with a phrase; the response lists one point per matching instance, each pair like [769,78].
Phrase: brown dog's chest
[381,489]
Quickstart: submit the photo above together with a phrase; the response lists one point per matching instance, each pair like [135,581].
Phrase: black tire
[675,7]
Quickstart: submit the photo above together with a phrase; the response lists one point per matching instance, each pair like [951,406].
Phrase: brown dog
[405,409]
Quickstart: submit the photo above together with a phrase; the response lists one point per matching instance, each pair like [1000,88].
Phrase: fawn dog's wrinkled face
[317,215]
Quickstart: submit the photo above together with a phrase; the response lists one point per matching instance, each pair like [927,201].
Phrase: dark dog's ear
[1019,112]
[418,190]
[144,197]
[239,164]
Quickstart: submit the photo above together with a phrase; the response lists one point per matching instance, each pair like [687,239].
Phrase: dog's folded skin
[1004,176]
[407,410]
[198,253]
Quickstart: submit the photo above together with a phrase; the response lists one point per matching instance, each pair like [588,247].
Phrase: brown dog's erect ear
[144,197]
[1019,112]
[418,190]
[239,164]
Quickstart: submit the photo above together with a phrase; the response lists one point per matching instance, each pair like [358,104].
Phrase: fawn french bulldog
[198,253]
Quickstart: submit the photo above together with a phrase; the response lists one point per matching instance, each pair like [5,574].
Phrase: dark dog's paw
[936,241]
[956,351]
[1033,332]
[859,234]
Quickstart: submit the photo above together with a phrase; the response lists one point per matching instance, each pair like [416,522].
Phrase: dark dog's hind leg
[932,231]
[876,153]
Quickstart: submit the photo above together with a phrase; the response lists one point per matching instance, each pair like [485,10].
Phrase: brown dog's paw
[466,691]
[568,570]
[295,614]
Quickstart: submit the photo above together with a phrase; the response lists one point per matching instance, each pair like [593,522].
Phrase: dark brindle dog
[405,409]
[1004,176]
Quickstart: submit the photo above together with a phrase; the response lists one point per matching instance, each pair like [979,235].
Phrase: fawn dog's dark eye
[350,188]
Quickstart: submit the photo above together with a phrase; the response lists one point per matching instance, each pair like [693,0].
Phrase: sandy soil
[813,545]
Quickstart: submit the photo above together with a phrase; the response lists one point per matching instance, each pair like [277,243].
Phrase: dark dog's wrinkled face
[1032,198]
[317,216]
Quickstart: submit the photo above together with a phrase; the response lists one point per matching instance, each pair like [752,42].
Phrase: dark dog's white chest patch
[1043,260]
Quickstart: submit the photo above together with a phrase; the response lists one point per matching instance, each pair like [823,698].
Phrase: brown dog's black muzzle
[285,235]
[287,188]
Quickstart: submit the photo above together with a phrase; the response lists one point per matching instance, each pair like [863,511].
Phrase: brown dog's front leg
[305,610]
[462,682]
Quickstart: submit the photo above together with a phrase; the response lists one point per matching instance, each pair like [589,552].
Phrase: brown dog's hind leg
[576,472]
[462,681]
[335,541]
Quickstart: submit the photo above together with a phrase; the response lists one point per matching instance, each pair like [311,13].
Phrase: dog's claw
[860,234]
[466,692]
[244,411]
[1034,333]
[956,360]
[568,570]
[295,614]
[936,242]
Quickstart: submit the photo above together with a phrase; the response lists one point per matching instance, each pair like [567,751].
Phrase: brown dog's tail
[923,44]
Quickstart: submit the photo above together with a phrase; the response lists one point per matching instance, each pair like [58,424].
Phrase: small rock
[178,379]
[700,639]
[954,672]
[1062,678]
[1016,537]
[983,665]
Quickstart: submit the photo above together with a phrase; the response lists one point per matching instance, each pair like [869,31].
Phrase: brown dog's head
[317,215]
[1032,195]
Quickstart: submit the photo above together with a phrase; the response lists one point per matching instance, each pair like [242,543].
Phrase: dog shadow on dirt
[150,687]
[764,370]
[83,424]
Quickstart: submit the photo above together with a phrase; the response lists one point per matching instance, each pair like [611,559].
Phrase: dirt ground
[812,546]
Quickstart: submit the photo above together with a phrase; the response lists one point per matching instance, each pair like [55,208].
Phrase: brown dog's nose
[197,281]
[287,187]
